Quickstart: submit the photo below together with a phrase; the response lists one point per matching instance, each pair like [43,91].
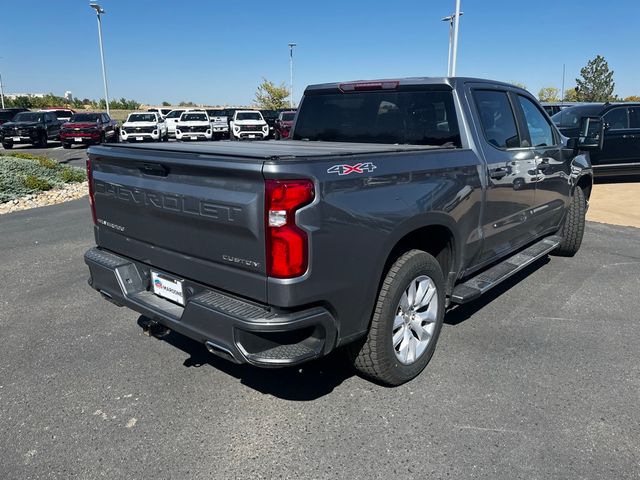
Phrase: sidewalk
[615,203]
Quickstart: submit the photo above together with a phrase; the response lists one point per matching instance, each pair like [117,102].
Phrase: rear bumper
[233,328]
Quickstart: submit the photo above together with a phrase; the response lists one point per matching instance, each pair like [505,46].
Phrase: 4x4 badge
[357,168]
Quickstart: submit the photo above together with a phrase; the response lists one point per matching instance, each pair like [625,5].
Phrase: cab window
[496,116]
[540,131]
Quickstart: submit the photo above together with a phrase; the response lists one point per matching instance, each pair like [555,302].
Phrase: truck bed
[275,150]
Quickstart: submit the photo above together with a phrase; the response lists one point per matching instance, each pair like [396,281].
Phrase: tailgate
[199,217]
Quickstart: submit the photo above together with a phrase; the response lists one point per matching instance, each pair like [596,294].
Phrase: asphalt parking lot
[538,380]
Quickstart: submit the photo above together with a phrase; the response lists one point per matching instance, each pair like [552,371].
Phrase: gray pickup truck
[393,200]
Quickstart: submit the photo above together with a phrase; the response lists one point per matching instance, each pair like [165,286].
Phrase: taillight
[91,199]
[287,245]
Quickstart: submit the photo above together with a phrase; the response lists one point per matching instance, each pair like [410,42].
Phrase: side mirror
[590,136]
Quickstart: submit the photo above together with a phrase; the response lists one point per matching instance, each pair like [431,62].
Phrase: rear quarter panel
[356,219]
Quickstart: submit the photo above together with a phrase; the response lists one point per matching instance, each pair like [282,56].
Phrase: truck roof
[270,149]
[450,82]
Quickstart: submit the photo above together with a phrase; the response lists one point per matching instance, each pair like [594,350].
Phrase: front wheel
[572,229]
[66,145]
[406,321]
[43,140]
[7,145]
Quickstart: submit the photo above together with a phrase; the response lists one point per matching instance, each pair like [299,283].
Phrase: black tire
[276,136]
[7,146]
[375,356]
[66,145]
[165,138]
[43,140]
[103,138]
[232,137]
[572,229]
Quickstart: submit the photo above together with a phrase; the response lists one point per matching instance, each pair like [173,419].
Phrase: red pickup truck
[89,128]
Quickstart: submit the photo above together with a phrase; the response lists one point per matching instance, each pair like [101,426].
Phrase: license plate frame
[77,139]
[17,139]
[139,139]
[168,287]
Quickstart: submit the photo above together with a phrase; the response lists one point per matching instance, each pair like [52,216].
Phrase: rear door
[511,171]
[552,170]
[191,215]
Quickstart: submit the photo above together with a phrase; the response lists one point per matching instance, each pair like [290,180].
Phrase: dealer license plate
[16,139]
[167,287]
[78,139]
[139,139]
[252,136]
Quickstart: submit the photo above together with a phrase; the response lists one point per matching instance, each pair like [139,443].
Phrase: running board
[476,286]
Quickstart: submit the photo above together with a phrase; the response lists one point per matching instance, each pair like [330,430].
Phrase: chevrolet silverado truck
[385,207]
[194,125]
[144,126]
[34,128]
[89,128]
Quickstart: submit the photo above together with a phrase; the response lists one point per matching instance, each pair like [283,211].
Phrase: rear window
[390,117]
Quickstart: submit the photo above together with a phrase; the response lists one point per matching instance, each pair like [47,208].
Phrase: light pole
[1,91]
[452,23]
[291,45]
[99,11]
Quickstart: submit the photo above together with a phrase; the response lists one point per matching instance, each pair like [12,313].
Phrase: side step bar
[476,286]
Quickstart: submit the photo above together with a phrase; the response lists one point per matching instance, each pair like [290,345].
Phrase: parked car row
[232,123]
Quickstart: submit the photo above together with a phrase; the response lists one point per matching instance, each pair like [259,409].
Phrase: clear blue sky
[216,52]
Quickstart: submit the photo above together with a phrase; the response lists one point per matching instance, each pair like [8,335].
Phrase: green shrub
[72,175]
[24,174]
[33,182]
[25,156]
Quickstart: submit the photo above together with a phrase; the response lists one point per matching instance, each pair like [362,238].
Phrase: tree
[596,83]
[570,95]
[549,94]
[166,104]
[271,97]
[632,98]
[186,104]
[520,85]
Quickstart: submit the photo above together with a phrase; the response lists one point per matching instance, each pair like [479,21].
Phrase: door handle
[498,173]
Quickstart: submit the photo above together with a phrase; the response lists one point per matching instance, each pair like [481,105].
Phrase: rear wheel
[406,322]
[572,229]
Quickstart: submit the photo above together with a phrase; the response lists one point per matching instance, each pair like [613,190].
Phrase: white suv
[172,119]
[248,124]
[194,125]
[141,126]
